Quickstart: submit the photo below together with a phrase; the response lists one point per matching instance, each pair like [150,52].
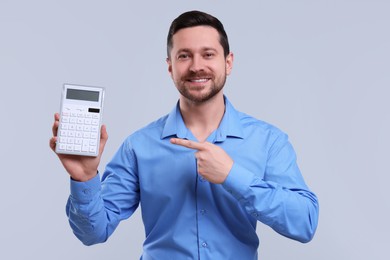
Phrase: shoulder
[250,123]
[272,138]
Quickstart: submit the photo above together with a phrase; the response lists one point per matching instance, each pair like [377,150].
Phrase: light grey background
[319,70]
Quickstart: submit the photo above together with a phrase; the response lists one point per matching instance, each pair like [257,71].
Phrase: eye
[183,56]
[209,55]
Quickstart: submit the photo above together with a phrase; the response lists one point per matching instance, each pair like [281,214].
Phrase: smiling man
[198,64]
[204,174]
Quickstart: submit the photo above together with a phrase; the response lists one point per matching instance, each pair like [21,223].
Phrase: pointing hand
[213,163]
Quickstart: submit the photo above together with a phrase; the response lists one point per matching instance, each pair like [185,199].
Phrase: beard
[200,93]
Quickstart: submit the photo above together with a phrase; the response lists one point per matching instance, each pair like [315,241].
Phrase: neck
[202,118]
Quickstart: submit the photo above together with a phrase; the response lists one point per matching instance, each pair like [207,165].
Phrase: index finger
[187,143]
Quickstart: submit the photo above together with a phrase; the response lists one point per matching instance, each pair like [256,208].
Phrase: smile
[198,80]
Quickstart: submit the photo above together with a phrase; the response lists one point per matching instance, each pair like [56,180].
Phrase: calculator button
[94,135]
[95,116]
[92,149]
[69,147]
[95,122]
[77,148]
[87,135]
[94,128]
[65,119]
[73,120]
[70,140]
[64,126]
[87,128]
[62,146]
[87,121]
[79,134]
[92,142]
[85,148]
[63,133]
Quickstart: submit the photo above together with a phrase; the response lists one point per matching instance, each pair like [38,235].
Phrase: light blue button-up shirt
[185,216]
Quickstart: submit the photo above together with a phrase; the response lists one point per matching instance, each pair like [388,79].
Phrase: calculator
[80,120]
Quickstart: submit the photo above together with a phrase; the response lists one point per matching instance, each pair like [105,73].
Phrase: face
[197,63]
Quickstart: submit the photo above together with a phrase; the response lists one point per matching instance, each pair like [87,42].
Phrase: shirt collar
[229,126]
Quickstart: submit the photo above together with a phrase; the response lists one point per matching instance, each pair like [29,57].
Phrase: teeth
[199,80]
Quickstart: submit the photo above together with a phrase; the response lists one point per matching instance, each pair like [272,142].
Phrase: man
[204,174]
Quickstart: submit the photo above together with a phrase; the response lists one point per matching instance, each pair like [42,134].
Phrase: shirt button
[204,244]
[87,191]
[202,211]
[254,214]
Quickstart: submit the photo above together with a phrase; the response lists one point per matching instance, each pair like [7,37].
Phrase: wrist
[84,177]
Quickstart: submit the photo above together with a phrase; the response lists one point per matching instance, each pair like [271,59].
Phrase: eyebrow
[183,50]
[203,49]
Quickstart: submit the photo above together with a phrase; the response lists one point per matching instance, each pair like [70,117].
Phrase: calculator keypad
[79,133]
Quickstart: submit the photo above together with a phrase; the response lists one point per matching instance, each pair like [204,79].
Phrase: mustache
[192,74]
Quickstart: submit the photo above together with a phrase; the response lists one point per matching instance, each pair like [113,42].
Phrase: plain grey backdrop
[319,70]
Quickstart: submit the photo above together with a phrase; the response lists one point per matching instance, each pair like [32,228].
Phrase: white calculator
[80,120]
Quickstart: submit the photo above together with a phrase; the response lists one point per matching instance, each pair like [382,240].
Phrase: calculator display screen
[80,94]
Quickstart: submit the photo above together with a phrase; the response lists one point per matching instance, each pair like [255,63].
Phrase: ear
[229,63]
[169,63]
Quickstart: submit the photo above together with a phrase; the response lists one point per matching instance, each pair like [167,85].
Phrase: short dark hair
[197,18]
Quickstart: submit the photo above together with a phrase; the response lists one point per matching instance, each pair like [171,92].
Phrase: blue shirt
[185,216]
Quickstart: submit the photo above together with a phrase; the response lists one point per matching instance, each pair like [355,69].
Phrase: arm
[95,208]
[281,198]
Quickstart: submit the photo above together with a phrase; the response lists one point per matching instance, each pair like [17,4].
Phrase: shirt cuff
[238,181]
[85,191]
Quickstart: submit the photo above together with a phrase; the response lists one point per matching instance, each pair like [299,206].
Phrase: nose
[196,64]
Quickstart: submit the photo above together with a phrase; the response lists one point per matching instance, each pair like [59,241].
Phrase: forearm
[290,211]
[87,213]
[96,207]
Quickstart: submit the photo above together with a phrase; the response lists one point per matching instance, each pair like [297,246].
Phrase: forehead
[194,38]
